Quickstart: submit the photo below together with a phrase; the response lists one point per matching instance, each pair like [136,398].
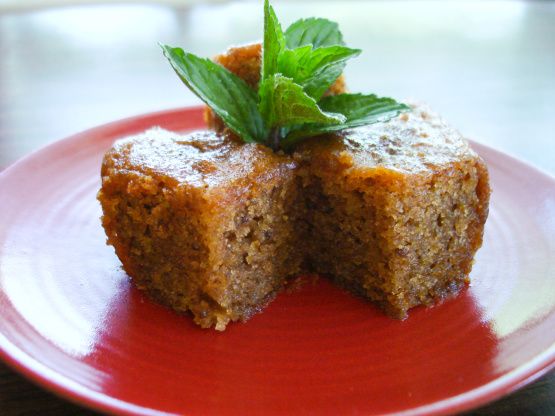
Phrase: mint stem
[274,139]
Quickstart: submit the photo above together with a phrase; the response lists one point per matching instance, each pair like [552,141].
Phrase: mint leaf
[225,93]
[274,42]
[361,109]
[284,103]
[289,63]
[315,69]
[313,31]
[358,109]
[317,86]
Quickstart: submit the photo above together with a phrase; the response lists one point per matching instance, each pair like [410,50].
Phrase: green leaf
[291,63]
[284,103]
[225,93]
[317,86]
[313,31]
[358,109]
[315,69]
[361,109]
[274,42]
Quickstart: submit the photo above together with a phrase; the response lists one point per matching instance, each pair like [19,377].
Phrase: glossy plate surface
[71,321]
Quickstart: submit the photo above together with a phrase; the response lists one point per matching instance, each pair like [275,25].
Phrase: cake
[204,223]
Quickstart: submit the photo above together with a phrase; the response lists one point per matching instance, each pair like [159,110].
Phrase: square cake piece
[396,210]
[202,222]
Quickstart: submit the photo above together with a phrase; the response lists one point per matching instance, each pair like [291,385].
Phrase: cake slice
[396,210]
[202,222]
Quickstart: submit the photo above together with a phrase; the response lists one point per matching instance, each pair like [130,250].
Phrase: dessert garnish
[290,104]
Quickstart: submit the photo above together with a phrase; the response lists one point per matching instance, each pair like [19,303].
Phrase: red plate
[71,321]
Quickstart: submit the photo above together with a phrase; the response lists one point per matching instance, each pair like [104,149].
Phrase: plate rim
[65,388]
[38,373]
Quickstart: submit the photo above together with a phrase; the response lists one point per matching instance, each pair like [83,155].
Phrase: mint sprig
[297,67]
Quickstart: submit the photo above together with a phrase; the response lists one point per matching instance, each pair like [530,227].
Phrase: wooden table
[489,67]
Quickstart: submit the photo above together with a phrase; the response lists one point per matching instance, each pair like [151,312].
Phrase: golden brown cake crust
[201,159]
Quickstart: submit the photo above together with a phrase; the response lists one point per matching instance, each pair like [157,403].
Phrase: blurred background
[487,66]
